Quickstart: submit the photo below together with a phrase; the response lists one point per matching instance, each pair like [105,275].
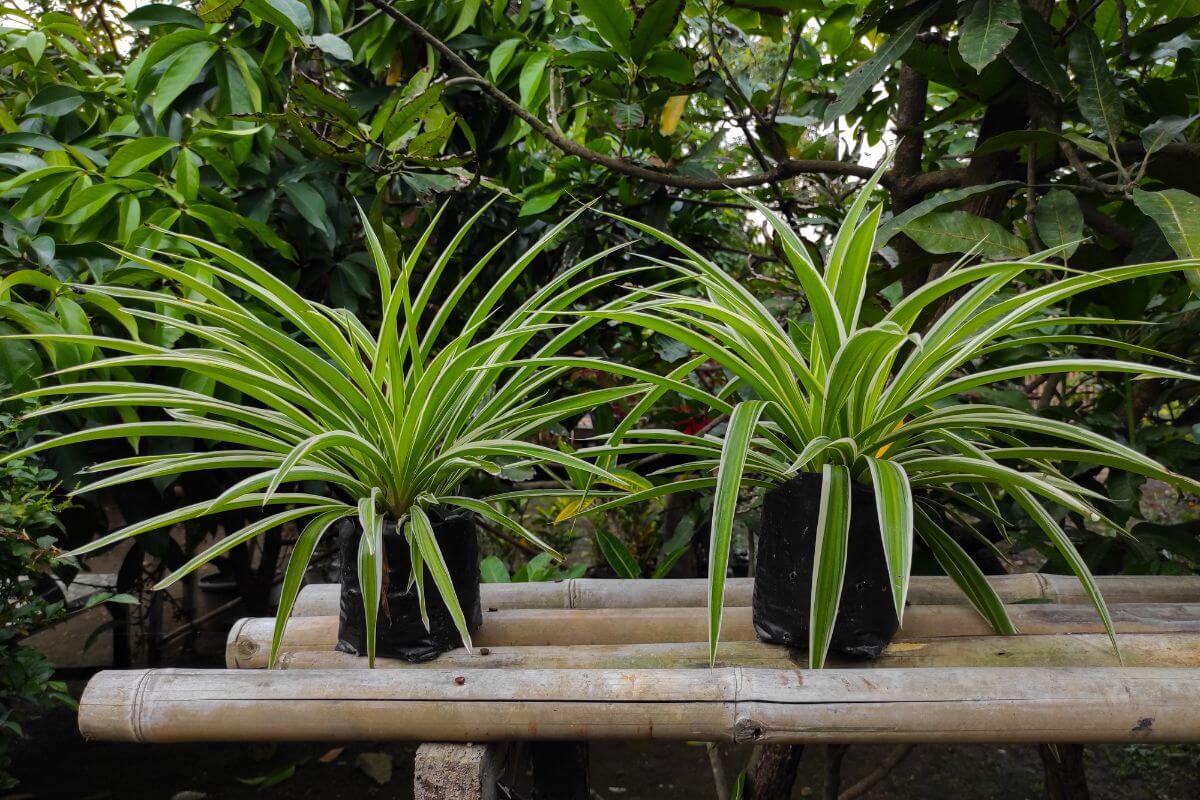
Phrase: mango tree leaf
[19,363]
[1059,220]
[137,154]
[407,115]
[890,228]
[55,101]
[670,65]
[1158,134]
[960,232]
[217,10]
[1177,214]
[83,205]
[531,77]
[1031,53]
[332,45]
[501,56]
[291,15]
[987,29]
[612,22]
[1099,101]
[148,16]
[872,70]
[311,205]
[540,202]
[654,23]
[34,44]
[185,66]
[466,17]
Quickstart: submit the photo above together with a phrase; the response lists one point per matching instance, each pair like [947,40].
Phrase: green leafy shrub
[28,529]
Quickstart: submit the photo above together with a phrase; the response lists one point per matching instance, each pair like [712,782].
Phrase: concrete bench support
[457,771]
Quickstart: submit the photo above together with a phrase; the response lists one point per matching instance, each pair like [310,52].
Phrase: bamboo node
[747,730]
[247,648]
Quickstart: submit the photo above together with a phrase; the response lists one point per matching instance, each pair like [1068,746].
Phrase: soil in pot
[400,632]
[866,620]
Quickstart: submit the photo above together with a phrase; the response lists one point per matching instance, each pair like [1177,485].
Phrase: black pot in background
[400,633]
[866,620]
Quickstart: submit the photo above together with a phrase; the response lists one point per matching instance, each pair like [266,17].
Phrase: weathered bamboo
[1078,650]
[321,600]
[249,642]
[733,704]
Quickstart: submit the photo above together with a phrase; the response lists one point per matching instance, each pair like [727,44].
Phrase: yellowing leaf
[572,509]
[671,114]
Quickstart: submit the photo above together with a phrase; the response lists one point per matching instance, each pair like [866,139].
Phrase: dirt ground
[56,763]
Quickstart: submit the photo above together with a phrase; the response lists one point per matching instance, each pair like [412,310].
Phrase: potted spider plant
[391,421]
[861,433]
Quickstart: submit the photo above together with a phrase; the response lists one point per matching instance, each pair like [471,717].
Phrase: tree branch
[783,170]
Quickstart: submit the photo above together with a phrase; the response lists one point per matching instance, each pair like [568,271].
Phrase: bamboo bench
[582,659]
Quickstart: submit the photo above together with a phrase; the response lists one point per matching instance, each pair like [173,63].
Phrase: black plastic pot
[866,620]
[399,632]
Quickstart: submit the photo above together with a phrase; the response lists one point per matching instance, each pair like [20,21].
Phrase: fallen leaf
[376,766]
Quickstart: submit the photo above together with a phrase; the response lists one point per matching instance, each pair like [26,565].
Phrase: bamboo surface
[321,600]
[729,704]
[1078,650]
[249,643]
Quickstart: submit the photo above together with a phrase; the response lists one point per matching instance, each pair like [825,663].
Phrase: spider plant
[882,403]
[392,421]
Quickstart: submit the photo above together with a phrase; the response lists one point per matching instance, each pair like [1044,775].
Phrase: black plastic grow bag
[866,620]
[400,633]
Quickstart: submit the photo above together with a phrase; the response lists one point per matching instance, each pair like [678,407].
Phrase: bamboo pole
[1078,650]
[321,599]
[732,704]
[249,643]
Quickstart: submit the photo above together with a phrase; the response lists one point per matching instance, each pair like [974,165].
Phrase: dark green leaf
[960,232]
[1032,54]
[1099,101]
[653,25]
[55,101]
[617,555]
[1059,220]
[538,203]
[871,71]
[1164,131]
[890,228]
[184,68]
[611,18]
[987,29]
[670,65]
[532,74]
[137,154]
[291,15]
[332,45]
[148,16]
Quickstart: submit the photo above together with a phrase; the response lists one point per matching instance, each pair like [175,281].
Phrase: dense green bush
[29,528]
